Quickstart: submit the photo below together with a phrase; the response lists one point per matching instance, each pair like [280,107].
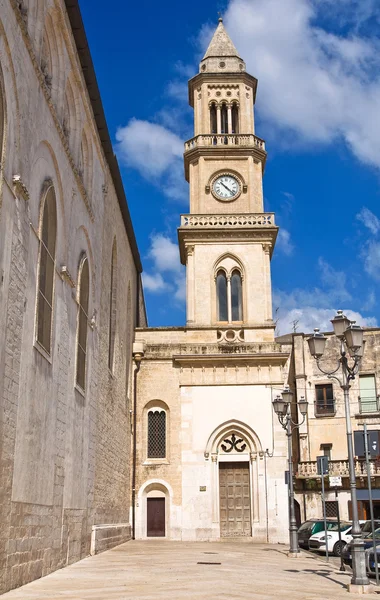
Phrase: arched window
[221,294]
[213,121]
[156,433]
[224,119]
[84,291]
[48,234]
[113,308]
[236,296]
[235,118]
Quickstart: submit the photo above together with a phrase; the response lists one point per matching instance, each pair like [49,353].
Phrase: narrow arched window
[84,290]
[224,119]
[156,433]
[2,119]
[213,120]
[112,308]
[236,297]
[235,118]
[48,234]
[221,294]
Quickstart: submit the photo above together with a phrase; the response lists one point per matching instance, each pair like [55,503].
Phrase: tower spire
[221,51]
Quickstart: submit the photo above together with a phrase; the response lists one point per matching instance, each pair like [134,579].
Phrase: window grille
[331,509]
[46,271]
[324,404]
[84,287]
[156,434]
[368,398]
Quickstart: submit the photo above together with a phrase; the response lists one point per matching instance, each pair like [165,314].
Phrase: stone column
[218,119]
[267,282]
[215,488]
[254,487]
[190,282]
[229,302]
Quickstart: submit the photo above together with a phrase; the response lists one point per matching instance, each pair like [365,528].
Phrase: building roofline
[80,38]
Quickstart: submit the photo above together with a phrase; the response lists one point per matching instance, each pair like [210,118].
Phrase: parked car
[334,546]
[370,560]
[309,528]
[367,538]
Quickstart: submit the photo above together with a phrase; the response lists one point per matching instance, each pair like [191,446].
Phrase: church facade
[210,454]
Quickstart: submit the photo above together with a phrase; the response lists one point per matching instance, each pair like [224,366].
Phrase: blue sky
[317,107]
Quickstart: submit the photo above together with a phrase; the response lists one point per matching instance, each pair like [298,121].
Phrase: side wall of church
[64,452]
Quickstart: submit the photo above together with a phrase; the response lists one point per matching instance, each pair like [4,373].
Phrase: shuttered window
[368,399]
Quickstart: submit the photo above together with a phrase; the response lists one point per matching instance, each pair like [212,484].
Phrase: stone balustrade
[308,469]
[214,221]
[247,140]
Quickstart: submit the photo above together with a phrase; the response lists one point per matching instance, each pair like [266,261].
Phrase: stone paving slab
[154,570]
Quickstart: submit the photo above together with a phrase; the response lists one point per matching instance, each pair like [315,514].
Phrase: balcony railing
[325,408]
[214,221]
[238,139]
[340,468]
[369,405]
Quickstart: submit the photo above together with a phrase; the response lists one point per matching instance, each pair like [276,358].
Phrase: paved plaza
[153,570]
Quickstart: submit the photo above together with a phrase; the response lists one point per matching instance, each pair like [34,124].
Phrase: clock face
[226,187]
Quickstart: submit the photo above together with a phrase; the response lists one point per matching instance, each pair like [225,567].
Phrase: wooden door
[156,517]
[235,499]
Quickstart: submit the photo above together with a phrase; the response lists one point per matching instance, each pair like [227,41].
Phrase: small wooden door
[156,517]
[235,499]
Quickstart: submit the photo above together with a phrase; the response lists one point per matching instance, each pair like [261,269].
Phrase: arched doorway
[234,448]
[153,516]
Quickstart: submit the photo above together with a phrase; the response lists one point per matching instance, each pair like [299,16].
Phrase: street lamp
[282,408]
[351,340]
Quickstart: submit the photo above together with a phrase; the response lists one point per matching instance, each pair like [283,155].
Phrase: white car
[334,546]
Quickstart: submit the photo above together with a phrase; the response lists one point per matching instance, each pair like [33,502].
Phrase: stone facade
[64,450]
[324,431]
[215,378]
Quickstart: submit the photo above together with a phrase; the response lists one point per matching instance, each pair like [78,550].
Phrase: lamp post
[282,408]
[351,342]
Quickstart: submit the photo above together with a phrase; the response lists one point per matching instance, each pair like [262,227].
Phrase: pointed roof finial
[220,20]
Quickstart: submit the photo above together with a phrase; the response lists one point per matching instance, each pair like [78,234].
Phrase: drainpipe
[138,354]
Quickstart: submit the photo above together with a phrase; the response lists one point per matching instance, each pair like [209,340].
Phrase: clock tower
[210,455]
[227,240]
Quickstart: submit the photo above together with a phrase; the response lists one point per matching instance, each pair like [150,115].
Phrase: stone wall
[64,452]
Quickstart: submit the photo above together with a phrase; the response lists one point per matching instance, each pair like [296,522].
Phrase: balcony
[306,470]
[233,221]
[247,140]
[325,408]
[368,405]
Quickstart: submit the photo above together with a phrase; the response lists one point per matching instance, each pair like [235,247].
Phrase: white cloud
[307,318]
[164,253]
[156,153]
[304,309]
[167,274]
[372,260]
[283,242]
[369,219]
[319,85]
[154,283]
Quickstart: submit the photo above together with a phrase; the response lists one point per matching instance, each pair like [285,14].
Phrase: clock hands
[227,188]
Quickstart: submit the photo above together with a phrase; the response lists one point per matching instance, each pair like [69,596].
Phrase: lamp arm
[328,373]
[351,371]
[297,425]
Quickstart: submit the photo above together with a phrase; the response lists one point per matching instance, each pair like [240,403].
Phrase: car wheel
[338,547]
